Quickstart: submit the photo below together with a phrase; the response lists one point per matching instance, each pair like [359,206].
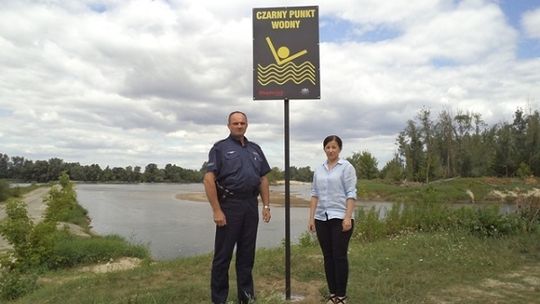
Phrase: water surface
[150,214]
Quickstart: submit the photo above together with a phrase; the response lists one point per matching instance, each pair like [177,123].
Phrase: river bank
[276,198]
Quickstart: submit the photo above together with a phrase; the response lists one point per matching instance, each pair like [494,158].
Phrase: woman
[331,215]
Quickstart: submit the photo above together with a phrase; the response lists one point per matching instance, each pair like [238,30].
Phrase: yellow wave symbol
[281,74]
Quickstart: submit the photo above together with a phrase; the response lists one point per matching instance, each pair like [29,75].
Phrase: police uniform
[238,170]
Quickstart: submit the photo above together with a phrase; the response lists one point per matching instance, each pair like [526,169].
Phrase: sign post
[286,66]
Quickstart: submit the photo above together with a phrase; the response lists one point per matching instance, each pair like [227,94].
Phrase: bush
[32,244]
[429,217]
[307,239]
[15,284]
[368,226]
[71,250]
[528,209]
[4,190]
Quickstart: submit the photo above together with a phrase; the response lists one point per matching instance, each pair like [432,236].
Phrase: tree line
[42,171]
[464,145]
[427,149]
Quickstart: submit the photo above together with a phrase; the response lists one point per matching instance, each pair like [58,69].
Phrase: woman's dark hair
[333,138]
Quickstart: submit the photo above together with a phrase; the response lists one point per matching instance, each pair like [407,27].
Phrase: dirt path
[519,286]
[35,207]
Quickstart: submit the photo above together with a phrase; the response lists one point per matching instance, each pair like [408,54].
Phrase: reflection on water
[150,214]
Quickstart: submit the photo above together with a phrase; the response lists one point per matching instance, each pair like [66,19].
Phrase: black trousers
[334,245]
[241,230]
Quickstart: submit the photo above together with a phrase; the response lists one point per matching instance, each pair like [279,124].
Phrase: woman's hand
[346,224]
[311,225]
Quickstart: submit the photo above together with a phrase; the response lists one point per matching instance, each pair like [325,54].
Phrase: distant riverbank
[276,198]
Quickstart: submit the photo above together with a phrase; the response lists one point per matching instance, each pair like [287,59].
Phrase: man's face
[238,125]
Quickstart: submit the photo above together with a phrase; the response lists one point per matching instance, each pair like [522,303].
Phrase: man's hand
[219,218]
[266,215]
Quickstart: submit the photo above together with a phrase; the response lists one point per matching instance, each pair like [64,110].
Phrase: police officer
[235,177]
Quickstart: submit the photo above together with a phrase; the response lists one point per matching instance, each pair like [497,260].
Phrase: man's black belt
[224,193]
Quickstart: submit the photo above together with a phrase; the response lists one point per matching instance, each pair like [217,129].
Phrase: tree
[411,149]
[393,170]
[533,142]
[56,167]
[504,163]
[365,165]
[4,165]
[152,174]
[275,175]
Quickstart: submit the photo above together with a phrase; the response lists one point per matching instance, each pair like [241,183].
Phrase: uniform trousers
[242,218]
[334,245]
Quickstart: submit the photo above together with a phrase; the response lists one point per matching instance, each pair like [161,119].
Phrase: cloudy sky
[121,82]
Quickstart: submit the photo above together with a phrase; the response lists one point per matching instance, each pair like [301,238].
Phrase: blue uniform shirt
[237,168]
[333,188]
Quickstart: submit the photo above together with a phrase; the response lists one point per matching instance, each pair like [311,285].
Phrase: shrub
[15,284]
[528,209]
[62,204]
[71,250]
[368,226]
[307,239]
[4,190]
[32,244]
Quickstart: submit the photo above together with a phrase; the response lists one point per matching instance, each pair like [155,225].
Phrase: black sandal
[340,300]
[331,299]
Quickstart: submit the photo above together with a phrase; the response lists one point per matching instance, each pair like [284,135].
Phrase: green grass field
[426,253]
[411,268]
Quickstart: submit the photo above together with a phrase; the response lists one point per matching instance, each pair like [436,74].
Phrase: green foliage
[368,226]
[491,223]
[15,284]
[32,244]
[524,171]
[17,227]
[393,170]
[38,247]
[70,250]
[275,175]
[302,174]
[463,145]
[307,239]
[428,214]
[528,209]
[4,190]
[365,165]
[62,204]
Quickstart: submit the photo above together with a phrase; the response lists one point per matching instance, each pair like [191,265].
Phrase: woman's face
[332,150]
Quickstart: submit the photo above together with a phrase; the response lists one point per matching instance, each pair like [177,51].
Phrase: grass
[444,191]
[423,253]
[412,268]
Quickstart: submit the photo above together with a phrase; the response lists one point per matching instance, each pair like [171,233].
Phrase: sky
[131,82]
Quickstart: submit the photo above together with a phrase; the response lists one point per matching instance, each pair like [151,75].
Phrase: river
[149,214]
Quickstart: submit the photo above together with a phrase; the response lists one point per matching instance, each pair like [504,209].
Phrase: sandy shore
[276,199]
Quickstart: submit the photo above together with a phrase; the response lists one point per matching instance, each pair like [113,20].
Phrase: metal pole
[287,208]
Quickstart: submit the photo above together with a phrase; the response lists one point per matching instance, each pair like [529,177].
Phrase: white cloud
[531,23]
[135,82]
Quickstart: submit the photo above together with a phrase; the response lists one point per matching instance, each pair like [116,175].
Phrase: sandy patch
[520,284]
[120,264]
[503,195]
[276,199]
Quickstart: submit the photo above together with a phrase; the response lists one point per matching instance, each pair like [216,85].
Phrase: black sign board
[286,53]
